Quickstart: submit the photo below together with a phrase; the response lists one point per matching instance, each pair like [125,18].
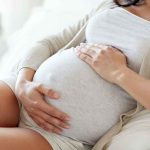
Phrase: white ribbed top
[93,103]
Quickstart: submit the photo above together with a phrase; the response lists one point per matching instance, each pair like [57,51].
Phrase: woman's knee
[9,108]
[22,139]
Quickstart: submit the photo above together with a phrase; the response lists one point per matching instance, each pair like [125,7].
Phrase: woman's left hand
[107,61]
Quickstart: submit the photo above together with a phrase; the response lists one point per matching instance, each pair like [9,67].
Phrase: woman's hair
[126,3]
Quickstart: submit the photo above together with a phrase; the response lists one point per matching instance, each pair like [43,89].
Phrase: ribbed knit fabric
[94,104]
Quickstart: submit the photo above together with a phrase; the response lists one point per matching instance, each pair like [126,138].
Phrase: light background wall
[16,12]
[42,18]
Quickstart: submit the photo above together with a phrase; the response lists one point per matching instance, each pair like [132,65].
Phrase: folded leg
[22,139]
[9,108]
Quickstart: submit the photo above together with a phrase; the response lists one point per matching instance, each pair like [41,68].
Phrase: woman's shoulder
[108,13]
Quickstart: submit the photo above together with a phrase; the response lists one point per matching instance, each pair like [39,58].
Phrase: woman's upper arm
[50,45]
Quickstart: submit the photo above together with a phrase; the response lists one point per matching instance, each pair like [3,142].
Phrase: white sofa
[48,18]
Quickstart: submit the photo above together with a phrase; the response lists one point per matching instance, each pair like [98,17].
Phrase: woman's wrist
[25,76]
[122,75]
[20,85]
[21,82]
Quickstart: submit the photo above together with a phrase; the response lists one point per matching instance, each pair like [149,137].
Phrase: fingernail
[56,95]
[67,118]
[67,126]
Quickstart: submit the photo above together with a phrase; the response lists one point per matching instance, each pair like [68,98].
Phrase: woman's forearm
[137,86]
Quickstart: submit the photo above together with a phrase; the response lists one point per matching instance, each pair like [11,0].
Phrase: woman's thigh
[22,139]
[9,108]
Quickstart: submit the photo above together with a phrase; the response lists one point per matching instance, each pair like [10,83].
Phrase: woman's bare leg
[9,109]
[22,139]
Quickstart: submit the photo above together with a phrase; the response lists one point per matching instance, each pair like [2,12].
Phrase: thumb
[47,91]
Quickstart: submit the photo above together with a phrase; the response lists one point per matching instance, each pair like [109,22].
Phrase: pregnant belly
[93,104]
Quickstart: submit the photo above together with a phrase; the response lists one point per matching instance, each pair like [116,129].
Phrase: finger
[91,52]
[82,45]
[51,120]
[93,47]
[86,58]
[85,45]
[42,105]
[78,48]
[82,48]
[114,49]
[47,91]
[53,111]
[103,47]
[45,125]
[121,52]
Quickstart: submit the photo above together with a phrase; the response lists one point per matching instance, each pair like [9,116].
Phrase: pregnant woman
[93,104]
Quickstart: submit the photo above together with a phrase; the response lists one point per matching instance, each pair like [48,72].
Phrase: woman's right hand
[45,115]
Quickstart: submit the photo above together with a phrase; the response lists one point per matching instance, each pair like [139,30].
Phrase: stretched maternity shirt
[93,103]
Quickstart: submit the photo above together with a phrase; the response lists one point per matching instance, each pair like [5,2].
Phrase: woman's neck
[142,11]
